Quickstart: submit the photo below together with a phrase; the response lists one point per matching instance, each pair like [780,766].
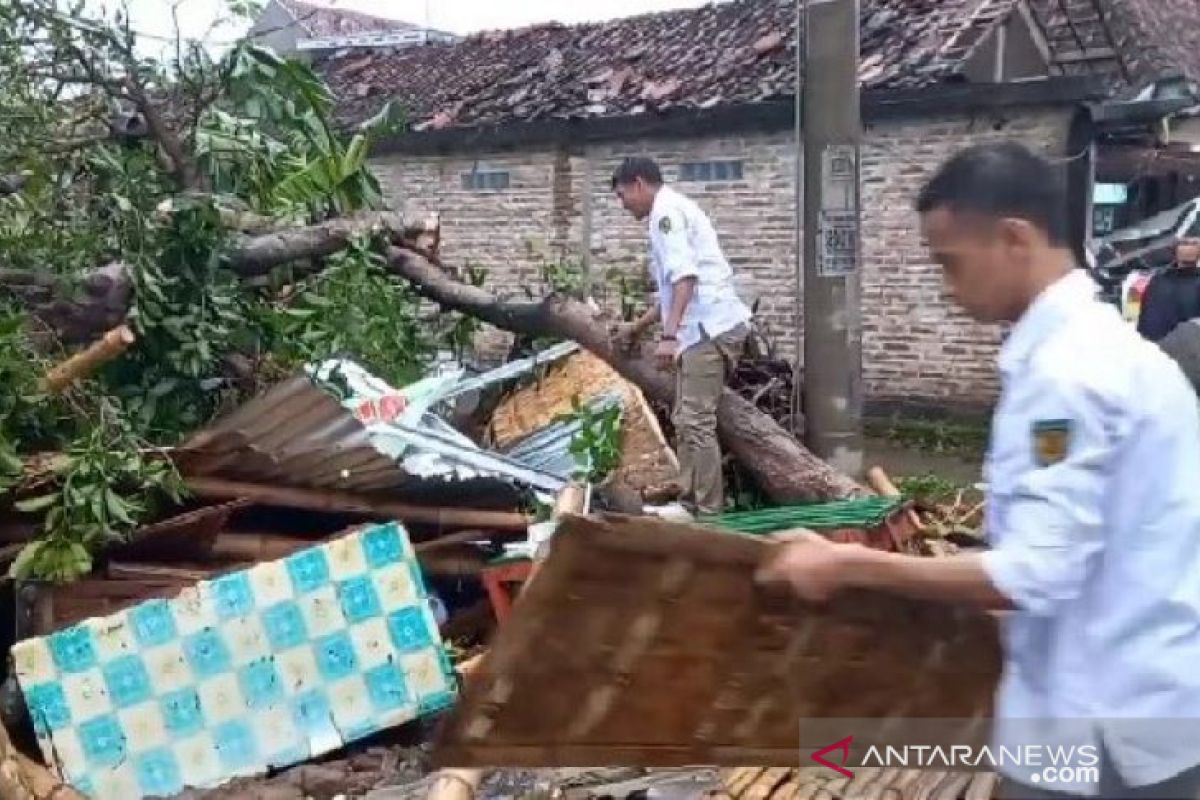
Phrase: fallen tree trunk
[784,469]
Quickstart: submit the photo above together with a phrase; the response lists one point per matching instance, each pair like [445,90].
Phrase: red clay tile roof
[1132,41]
[730,52]
[324,21]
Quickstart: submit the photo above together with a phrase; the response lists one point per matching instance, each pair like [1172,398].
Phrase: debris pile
[211,617]
[314,470]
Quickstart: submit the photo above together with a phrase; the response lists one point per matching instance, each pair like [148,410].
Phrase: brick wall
[915,345]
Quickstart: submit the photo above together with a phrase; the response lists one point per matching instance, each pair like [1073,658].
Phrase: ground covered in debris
[403,773]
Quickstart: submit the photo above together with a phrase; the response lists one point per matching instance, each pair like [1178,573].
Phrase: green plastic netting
[864,512]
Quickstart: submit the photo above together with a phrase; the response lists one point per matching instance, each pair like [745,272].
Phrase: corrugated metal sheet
[513,369]
[297,434]
[548,448]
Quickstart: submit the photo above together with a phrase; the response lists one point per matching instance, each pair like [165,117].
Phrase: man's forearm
[959,578]
[681,295]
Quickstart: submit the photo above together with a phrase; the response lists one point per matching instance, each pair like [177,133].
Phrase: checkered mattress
[261,668]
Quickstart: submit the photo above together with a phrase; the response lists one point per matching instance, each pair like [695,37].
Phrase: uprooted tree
[212,207]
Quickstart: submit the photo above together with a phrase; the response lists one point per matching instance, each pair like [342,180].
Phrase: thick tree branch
[259,255]
[101,301]
[175,160]
[783,468]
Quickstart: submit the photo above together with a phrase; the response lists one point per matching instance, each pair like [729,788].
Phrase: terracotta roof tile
[1132,41]
[730,52]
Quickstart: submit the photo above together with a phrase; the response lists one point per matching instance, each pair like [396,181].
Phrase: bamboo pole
[88,360]
[458,784]
[330,500]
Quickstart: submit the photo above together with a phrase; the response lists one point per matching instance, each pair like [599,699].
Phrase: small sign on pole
[837,254]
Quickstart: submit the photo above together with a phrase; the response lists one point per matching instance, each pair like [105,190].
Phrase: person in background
[704,324]
[1093,517]
[1173,294]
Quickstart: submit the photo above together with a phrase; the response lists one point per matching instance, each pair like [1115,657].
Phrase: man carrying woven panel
[704,322]
[1093,515]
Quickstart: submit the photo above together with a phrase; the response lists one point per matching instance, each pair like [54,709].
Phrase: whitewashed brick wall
[916,347]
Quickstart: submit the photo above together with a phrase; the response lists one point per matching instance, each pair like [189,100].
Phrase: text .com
[1043,764]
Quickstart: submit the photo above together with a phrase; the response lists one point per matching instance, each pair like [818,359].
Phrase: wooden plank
[687,661]
[329,500]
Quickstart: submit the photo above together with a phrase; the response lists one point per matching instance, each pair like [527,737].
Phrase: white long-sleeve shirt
[684,244]
[1093,515]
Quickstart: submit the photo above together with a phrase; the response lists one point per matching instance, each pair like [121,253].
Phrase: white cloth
[683,244]
[1099,549]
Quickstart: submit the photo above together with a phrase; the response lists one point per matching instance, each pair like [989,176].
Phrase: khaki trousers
[701,375]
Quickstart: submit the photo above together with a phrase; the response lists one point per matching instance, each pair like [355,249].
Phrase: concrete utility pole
[829,140]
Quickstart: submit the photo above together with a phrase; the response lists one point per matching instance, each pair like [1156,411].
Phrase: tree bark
[784,469]
[258,255]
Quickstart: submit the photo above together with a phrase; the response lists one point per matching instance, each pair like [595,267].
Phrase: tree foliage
[160,166]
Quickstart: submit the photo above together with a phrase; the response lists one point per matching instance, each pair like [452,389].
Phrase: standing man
[1173,295]
[704,323]
[1093,516]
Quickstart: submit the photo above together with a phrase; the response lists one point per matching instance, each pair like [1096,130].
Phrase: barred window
[710,171]
[484,180]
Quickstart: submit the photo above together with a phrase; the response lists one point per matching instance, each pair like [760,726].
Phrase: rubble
[337,447]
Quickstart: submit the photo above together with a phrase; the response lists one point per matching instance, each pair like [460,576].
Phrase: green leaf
[118,509]
[22,566]
[36,504]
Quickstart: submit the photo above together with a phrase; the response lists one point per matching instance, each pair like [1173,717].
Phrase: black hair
[1001,180]
[636,167]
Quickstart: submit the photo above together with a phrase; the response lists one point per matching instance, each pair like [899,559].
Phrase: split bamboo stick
[458,784]
[86,361]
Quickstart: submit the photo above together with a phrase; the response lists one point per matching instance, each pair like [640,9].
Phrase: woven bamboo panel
[646,459]
[646,643]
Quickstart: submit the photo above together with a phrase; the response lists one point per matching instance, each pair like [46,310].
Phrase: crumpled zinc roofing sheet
[297,434]
[549,448]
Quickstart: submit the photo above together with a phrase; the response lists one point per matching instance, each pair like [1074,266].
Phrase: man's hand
[665,353]
[814,567]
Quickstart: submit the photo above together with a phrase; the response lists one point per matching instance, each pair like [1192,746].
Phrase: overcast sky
[196,17]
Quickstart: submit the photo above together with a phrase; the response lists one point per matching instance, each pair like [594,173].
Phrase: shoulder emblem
[664,224]
[1051,441]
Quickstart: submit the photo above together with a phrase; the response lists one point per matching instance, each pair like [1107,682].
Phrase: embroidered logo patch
[664,224]
[1051,440]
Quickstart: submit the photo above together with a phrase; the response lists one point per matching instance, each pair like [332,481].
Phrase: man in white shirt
[704,322]
[1093,510]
